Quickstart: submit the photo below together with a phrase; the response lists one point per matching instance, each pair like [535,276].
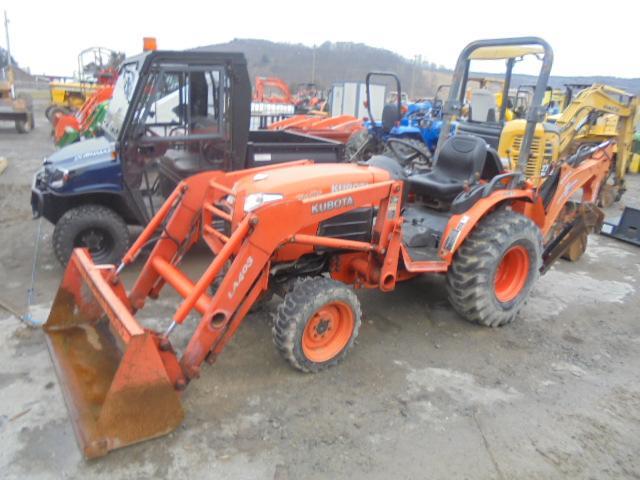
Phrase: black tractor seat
[461,163]
[390,116]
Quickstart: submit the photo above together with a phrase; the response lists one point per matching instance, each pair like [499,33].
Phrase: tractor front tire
[95,227]
[316,324]
[495,268]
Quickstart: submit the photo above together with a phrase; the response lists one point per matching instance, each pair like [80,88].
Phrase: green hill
[346,61]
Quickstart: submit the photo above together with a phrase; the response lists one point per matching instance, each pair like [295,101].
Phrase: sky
[587,40]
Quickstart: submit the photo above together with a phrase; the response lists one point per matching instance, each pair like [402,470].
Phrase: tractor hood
[302,182]
[81,154]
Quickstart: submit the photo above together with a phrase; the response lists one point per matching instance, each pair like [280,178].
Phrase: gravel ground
[422,395]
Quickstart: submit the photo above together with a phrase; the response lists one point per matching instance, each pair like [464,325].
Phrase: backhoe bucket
[112,373]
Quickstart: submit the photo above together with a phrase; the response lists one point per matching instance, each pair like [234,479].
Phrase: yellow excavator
[597,113]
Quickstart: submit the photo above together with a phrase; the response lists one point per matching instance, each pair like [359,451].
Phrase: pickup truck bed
[267,147]
[264,147]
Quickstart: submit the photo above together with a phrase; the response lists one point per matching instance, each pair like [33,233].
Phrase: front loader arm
[179,231]
[179,218]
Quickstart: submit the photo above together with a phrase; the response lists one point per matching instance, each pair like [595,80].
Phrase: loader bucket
[113,377]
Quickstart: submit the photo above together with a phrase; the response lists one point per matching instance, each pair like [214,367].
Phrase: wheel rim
[328,332]
[97,241]
[512,273]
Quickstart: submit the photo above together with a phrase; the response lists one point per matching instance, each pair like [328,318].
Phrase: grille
[220,224]
[536,161]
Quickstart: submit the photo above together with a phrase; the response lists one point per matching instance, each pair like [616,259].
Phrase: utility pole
[9,66]
[6,32]
[413,75]
[313,66]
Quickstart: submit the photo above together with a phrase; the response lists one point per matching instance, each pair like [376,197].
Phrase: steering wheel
[405,158]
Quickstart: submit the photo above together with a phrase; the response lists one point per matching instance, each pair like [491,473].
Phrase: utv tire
[316,324]
[95,227]
[495,268]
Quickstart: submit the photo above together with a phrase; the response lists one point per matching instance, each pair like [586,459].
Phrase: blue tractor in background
[411,127]
[421,123]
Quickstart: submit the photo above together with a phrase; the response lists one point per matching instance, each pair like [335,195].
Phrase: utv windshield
[119,104]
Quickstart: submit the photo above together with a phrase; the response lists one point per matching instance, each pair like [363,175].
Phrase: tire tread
[470,277]
[292,314]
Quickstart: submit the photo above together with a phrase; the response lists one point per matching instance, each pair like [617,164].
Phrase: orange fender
[461,225]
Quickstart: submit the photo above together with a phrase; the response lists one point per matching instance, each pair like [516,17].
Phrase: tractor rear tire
[356,145]
[316,324]
[47,112]
[95,227]
[495,268]
[56,110]
[418,145]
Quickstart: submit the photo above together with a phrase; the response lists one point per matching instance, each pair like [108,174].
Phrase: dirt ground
[422,395]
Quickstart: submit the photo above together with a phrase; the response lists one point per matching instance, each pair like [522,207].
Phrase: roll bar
[453,105]
[398,89]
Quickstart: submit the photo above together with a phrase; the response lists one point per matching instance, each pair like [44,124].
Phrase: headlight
[58,178]
[256,200]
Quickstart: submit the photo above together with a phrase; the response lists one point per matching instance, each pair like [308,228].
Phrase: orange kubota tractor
[272,90]
[338,128]
[308,232]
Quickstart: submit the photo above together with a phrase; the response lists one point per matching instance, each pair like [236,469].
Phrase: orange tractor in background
[272,90]
[310,100]
[69,128]
[308,232]
[338,128]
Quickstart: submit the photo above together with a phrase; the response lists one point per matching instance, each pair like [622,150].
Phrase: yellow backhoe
[596,114]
